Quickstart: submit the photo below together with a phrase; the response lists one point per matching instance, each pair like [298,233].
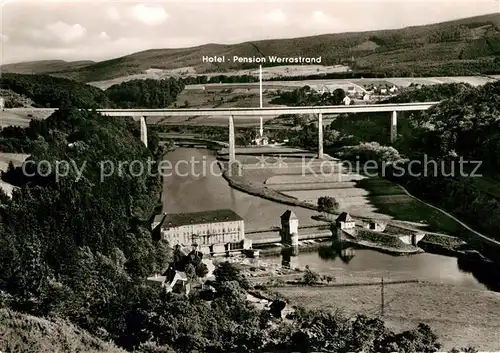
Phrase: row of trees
[145,93]
[305,96]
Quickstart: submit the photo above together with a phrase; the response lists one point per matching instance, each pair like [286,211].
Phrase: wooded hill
[50,92]
[461,47]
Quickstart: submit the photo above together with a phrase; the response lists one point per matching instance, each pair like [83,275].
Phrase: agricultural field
[312,186]
[243,121]
[267,72]
[448,309]
[18,117]
[308,184]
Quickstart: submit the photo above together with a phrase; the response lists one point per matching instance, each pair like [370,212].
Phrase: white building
[2,103]
[215,231]
[346,100]
[345,221]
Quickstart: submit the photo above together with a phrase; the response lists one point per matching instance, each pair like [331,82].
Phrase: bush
[310,277]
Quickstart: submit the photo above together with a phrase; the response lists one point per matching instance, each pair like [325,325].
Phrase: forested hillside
[465,126]
[463,47]
[51,92]
[48,92]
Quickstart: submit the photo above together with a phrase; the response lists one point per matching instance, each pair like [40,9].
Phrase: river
[199,186]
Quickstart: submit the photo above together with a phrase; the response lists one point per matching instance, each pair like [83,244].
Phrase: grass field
[16,158]
[460,316]
[295,179]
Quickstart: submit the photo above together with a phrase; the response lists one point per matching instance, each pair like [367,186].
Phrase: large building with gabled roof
[215,231]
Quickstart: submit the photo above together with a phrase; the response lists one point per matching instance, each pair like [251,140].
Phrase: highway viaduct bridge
[230,113]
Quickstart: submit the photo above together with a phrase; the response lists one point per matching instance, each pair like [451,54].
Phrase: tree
[227,272]
[337,96]
[201,270]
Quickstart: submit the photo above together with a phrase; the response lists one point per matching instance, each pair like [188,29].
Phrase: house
[393,89]
[261,141]
[345,221]
[366,97]
[374,225]
[2,103]
[216,231]
[346,100]
[351,90]
[172,281]
[383,91]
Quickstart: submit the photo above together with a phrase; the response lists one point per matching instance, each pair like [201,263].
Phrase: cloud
[276,16]
[149,15]
[66,32]
[103,35]
[113,13]
[319,17]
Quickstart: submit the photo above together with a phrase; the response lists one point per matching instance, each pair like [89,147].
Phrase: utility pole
[260,94]
[382,297]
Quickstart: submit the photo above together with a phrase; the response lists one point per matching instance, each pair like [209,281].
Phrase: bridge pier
[393,126]
[320,135]
[144,132]
[232,148]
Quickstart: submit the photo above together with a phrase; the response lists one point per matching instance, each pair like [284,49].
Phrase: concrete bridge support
[144,132]
[394,126]
[232,147]
[320,136]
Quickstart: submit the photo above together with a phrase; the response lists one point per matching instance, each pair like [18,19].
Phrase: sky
[97,30]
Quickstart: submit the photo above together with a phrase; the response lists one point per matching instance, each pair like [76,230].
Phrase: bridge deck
[255,112]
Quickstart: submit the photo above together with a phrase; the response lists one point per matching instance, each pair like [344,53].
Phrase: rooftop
[344,217]
[158,217]
[289,215]
[181,219]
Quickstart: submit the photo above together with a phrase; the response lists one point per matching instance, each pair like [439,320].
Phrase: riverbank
[241,184]
[442,244]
